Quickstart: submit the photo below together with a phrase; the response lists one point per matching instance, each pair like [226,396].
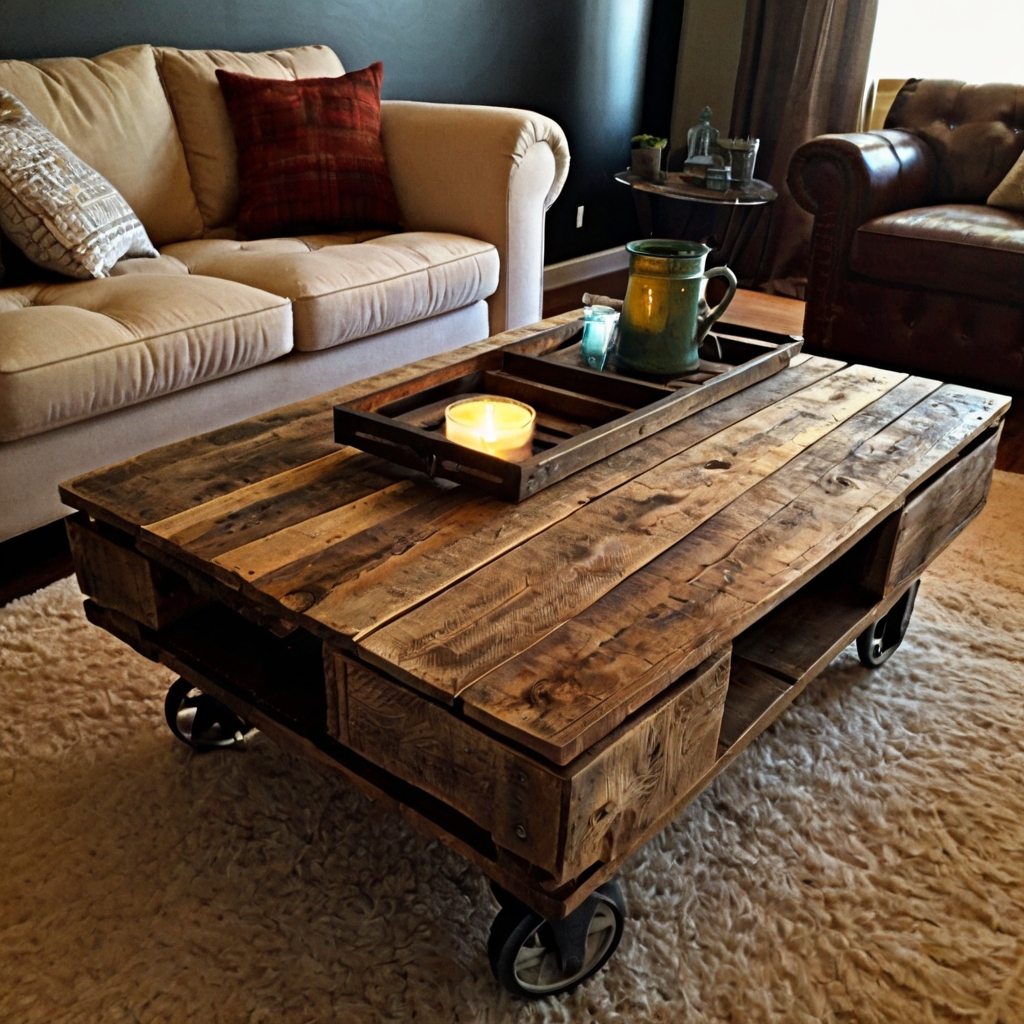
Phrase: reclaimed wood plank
[557,696]
[310,536]
[618,787]
[253,511]
[806,631]
[630,778]
[111,571]
[515,797]
[504,608]
[355,585]
[933,518]
[398,562]
[752,692]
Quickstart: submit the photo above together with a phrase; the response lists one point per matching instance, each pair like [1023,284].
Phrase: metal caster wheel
[879,641]
[202,721]
[533,957]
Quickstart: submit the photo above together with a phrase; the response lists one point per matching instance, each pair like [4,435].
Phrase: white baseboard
[581,268]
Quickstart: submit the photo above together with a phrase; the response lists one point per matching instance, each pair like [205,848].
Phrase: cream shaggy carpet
[863,861]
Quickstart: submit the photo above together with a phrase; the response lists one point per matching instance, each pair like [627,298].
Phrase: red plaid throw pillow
[309,153]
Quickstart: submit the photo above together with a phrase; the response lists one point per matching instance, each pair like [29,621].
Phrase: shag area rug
[862,861]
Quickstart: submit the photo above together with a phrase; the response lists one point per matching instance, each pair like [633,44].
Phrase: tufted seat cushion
[961,248]
[351,285]
[72,351]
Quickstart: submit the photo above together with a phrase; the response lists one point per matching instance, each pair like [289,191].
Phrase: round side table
[701,219]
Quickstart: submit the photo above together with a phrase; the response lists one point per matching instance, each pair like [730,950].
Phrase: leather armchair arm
[862,175]
[845,181]
[487,172]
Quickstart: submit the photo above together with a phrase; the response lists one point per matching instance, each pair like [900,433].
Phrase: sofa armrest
[845,181]
[487,172]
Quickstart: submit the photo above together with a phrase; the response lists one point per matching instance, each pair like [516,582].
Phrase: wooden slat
[752,692]
[310,536]
[505,607]
[559,695]
[546,396]
[935,516]
[111,571]
[353,586]
[258,510]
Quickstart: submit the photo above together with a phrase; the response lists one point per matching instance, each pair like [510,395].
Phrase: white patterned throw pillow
[61,213]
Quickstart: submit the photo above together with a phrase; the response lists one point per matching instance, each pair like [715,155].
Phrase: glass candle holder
[599,323]
[492,424]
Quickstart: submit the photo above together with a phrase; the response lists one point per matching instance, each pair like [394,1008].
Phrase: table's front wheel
[879,641]
[200,720]
[533,957]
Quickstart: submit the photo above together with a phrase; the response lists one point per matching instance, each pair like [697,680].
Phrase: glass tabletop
[750,193]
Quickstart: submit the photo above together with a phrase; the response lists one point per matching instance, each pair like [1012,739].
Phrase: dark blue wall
[579,61]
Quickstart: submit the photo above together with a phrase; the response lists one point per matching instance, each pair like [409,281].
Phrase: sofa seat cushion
[962,248]
[342,289]
[72,351]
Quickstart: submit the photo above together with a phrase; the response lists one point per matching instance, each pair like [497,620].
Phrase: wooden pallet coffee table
[542,686]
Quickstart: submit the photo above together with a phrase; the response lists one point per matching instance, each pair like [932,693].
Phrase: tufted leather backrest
[975,131]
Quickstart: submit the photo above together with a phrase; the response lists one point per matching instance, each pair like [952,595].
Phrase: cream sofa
[219,328]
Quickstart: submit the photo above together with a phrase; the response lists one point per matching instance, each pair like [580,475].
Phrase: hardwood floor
[42,556]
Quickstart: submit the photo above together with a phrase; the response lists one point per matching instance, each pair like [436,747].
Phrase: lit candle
[498,426]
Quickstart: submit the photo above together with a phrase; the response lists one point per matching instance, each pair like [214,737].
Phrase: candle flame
[489,431]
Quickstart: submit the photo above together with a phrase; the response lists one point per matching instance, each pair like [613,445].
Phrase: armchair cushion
[1009,193]
[960,248]
[975,131]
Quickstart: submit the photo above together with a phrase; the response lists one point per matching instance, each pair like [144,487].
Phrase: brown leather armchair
[909,267]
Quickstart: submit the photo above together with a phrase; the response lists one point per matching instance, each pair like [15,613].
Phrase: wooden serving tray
[583,415]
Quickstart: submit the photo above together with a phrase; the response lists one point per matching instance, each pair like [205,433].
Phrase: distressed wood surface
[352,582]
[935,516]
[605,797]
[509,605]
[568,688]
[550,621]
[110,570]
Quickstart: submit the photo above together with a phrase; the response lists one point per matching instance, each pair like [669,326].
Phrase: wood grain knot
[717,464]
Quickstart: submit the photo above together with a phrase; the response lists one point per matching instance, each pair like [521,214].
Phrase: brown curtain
[802,73]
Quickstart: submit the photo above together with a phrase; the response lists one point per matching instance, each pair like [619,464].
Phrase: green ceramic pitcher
[661,324]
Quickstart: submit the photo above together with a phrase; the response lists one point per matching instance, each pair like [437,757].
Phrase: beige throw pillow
[61,213]
[1009,193]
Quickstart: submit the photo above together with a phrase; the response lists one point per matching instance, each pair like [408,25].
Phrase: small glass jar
[599,324]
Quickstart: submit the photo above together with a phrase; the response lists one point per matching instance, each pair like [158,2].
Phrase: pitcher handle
[705,322]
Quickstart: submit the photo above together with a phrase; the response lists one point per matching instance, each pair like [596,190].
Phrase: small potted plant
[646,156]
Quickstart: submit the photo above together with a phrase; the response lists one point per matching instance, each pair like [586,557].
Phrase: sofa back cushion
[111,112]
[190,77]
[975,131]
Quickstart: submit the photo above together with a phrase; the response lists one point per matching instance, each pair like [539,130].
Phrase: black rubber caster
[879,641]
[202,721]
[533,957]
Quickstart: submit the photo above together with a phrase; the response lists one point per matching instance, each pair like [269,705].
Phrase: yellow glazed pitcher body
[661,325]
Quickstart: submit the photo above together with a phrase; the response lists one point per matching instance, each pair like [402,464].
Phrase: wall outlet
[579,216]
